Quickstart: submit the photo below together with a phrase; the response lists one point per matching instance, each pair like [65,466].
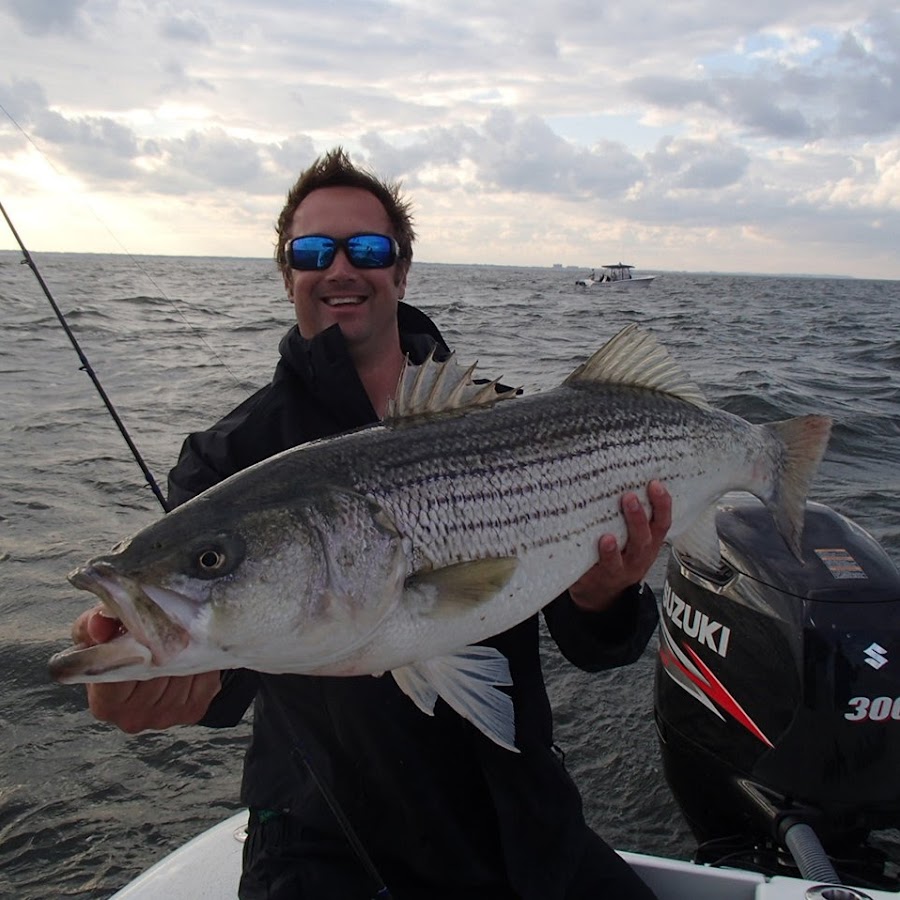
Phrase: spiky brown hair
[334,169]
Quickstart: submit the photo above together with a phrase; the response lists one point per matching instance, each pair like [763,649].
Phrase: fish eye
[215,555]
[211,560]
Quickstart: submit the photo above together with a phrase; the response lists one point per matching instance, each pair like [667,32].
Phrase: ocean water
[176,342]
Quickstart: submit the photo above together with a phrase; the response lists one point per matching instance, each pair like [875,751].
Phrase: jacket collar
[324,365]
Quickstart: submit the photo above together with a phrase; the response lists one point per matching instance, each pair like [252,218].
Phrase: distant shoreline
[551,267]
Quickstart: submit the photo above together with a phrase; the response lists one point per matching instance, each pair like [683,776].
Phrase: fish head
[215,585]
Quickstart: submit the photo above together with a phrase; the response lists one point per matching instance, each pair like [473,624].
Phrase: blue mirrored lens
[314,252]
[370,251]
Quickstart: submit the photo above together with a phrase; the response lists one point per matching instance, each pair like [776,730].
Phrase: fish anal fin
[468,681]
[635,358]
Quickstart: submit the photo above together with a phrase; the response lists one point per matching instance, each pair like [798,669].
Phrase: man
[440,810]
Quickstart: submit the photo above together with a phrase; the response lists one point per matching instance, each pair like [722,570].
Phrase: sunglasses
[315,252]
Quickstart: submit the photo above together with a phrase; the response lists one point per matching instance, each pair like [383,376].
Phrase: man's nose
[341,262]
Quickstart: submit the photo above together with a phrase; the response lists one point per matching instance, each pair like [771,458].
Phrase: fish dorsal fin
[440,386]
[635,358]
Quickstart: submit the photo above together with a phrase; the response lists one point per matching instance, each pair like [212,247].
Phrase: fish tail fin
[803,441]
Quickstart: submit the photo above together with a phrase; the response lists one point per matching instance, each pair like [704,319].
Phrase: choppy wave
[178,342]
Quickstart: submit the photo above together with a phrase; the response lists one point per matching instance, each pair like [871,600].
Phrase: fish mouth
[150,638]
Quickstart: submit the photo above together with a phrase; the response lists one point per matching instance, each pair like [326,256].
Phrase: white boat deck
[208,868]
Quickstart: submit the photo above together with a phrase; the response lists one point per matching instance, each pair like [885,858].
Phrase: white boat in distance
[614,275]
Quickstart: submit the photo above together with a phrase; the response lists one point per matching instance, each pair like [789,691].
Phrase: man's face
[362,301]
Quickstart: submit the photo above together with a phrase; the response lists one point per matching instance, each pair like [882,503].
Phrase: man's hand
[135,706]
[617,570]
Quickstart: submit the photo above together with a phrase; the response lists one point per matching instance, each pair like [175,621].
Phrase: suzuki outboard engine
[778,689]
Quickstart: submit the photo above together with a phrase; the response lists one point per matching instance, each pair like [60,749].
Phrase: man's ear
[402,272]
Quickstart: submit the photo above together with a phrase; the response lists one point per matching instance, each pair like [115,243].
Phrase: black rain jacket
[436,804]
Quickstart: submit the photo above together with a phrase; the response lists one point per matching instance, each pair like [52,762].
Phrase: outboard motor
[777,694]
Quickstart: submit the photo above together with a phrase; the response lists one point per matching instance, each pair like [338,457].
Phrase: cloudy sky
[687,135]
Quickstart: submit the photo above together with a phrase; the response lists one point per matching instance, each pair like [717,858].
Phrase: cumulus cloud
[41,17]
[208,160]
[697,165]
[846,90]
[509,153]
[95,146]
[525,155]
[703,117]
[22,99]
[185,26]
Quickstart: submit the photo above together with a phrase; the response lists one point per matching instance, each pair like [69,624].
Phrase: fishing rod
[86,366]
[298,755]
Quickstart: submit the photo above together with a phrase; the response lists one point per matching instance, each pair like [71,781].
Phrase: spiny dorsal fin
[436,387]
[635,358]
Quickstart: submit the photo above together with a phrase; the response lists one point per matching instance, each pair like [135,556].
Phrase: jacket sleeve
[229,705]
[595,641]
[197,468]
[208,457]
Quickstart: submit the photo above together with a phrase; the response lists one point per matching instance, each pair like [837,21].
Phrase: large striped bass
[399,546]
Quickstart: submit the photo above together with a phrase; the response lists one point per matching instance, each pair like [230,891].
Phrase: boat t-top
[614,275]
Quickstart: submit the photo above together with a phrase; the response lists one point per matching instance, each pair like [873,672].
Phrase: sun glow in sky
[693,136]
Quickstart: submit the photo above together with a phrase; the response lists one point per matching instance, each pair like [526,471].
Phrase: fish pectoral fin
[701,541]
[468,683]
[444,591]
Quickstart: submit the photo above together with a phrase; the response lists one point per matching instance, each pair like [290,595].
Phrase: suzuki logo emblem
[875,656]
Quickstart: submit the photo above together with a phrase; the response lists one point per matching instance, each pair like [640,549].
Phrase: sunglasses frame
[342,244]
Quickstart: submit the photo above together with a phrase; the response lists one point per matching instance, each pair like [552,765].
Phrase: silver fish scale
[530,471]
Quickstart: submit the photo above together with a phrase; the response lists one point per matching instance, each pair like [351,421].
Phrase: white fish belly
[552,551]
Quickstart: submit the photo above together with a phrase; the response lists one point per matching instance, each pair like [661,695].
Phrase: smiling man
[440,809]
[349,228]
